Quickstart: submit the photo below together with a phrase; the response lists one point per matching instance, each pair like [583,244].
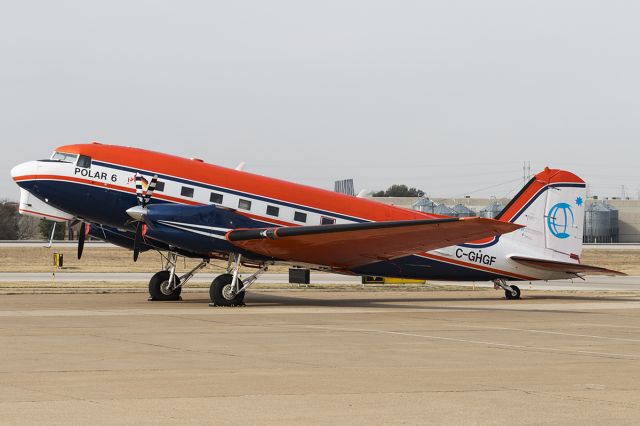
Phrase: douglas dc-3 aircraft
[144,200]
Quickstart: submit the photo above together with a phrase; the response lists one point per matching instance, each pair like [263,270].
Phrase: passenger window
[300,217]
[186,192]
[216,198]
[160,186]
[273,210]
[244,204]
[84,162]
[327,220]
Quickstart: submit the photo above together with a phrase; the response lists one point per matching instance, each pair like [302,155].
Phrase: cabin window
[64,157]
[159,186]
[327,220]
[244,204]
[215,198]
[84,162]
[186,192]
[273,210]
[300,217]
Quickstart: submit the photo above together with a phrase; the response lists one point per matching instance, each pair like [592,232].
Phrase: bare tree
[28,228]
[8,221]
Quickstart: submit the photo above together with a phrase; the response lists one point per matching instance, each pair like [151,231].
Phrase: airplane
[183,207]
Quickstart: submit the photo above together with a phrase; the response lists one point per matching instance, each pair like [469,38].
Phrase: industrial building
[606,221]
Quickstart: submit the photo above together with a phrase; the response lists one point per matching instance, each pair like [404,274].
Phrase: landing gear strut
[166,285]
[228,289]
[511,292]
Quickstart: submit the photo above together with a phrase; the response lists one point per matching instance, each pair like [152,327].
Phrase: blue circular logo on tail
[559,219]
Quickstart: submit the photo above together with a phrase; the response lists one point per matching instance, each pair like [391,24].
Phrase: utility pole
[526,172]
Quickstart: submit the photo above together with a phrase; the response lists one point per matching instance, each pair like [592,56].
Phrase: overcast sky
[450,96]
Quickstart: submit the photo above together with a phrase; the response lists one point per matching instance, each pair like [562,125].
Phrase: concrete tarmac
[310,357]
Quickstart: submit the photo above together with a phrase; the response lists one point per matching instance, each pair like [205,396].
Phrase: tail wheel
[159,288]
[510,293]
[222,294]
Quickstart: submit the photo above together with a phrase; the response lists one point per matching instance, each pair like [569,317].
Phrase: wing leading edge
[355,244]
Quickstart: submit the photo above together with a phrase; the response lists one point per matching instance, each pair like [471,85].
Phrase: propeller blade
[136,241]
[150,189]
[139,194]
[144,195]
[84,230]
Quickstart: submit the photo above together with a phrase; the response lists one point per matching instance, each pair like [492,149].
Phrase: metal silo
[424,205]
[463,211]
[492,210]
[597,223]
[614,231]
[444,210]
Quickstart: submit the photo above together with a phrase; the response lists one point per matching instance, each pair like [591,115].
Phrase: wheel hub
[227,292]
[165,288]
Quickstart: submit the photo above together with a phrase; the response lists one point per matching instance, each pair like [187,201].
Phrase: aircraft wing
[569,268]
[356,244]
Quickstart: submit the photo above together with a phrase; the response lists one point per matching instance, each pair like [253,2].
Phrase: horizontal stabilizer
[356,244]
[569,268]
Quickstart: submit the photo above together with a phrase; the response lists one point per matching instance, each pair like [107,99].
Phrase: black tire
[156,287]
[217,291]
[510,295]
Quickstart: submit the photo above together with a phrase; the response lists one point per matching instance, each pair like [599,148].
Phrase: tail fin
[551,207]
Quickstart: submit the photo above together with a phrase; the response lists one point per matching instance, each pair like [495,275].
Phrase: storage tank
[597,223]
[614,230]
[463,211]
[444,210]
[492,210]
[424,205]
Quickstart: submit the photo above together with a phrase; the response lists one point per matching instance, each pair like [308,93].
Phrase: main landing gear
[228,289]
[511,292]
[225,290]
[166,285]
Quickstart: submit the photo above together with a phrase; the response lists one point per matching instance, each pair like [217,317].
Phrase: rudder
[551,207]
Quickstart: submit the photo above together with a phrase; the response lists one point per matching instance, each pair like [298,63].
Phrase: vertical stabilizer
[551,207]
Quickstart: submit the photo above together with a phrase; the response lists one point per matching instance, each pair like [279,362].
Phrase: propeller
[139,212]
[136,241]
[83,232]
[143,195]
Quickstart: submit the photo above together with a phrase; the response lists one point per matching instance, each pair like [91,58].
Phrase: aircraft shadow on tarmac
[407,302]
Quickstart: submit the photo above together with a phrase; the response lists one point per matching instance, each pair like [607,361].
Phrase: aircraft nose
[24,170]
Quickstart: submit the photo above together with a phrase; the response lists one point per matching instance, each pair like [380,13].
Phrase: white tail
[551,206]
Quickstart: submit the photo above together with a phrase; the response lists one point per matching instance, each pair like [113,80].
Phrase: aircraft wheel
[512,296]
[159,287]
[220,291]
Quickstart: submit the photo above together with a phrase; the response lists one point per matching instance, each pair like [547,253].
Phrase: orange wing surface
[351,245]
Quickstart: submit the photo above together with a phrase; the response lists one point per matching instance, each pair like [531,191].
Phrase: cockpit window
[84,161]
[64,157]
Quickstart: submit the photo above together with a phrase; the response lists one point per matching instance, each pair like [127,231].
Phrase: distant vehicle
[144,200]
